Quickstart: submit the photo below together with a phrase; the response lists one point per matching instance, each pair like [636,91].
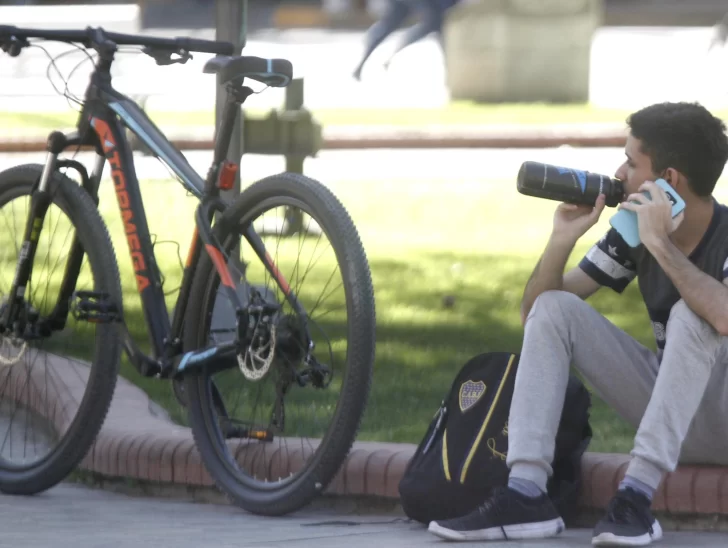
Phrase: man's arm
[549,275]
[596,269]
[703,294]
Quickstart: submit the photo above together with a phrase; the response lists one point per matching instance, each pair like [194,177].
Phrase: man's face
[636,169]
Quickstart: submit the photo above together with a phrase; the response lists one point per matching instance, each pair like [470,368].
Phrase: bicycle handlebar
[90,37]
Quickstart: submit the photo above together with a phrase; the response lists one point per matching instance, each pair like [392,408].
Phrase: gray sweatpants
[678,404]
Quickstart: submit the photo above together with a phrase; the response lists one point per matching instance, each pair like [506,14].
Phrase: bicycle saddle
[275,73]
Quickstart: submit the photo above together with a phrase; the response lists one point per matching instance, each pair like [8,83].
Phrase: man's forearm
[703,294]
[548,273]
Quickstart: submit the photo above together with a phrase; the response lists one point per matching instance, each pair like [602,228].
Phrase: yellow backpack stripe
[478,439]
[445,463]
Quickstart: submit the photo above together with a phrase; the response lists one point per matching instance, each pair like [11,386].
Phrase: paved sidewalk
[139,443]
[72,516]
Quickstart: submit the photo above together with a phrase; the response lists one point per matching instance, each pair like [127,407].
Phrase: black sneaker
[628,522]
[507,514]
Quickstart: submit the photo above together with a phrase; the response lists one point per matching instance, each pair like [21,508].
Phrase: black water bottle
[569,185]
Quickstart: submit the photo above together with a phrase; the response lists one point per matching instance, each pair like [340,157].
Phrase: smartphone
[625,221]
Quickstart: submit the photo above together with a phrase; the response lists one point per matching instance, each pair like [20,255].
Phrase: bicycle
[262,334]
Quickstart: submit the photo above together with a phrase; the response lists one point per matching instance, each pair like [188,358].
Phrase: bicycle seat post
[236,96]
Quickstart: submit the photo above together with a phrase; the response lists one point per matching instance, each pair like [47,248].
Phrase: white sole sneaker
[610,539]
[520,531]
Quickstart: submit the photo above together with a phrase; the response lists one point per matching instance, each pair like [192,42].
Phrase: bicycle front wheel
[58,369]
[274,431]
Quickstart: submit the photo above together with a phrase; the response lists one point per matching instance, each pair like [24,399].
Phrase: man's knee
[682,312]
[687,322]
[554,305]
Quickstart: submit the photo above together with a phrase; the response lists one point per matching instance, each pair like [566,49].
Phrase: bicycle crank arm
[214,359]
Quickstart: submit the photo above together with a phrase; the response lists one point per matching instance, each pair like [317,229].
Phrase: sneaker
[507,514]
[628,522]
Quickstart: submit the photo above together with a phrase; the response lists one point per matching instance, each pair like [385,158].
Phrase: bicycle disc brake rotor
[257,358]
[12,349]
[11,352]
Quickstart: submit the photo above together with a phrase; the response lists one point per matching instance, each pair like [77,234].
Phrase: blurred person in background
[432,16]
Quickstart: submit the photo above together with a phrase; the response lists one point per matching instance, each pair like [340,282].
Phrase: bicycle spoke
[45,368]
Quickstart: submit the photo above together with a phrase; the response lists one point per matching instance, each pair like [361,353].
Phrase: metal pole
[294,162]
[294,101]
[230,26]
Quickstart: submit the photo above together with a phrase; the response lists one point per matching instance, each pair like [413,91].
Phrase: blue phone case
[625,222]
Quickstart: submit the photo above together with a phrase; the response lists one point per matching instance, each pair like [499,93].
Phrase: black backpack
[463,454]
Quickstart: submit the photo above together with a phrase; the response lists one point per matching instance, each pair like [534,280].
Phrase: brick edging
[137,444]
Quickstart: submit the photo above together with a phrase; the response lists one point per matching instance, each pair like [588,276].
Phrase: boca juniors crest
[470,393]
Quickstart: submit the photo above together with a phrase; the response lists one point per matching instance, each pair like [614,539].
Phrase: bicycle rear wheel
[56,383]
[256,427]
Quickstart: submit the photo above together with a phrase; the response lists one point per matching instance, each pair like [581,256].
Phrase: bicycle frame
[101,124]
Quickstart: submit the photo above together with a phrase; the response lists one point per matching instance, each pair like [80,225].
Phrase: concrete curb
[148,451]
[385,137]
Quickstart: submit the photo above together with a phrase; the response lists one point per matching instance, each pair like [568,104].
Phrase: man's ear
[676,180]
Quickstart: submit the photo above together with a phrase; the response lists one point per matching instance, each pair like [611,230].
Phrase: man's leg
[432,20]
[397,12]
[686,414]
[561,328]
[692,360]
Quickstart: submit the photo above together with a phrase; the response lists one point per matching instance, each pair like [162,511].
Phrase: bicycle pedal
[94,307]
[233,431]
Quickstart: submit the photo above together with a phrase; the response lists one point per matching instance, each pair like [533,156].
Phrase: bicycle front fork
[40,201]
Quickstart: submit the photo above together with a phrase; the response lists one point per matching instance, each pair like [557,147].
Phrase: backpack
[462,456]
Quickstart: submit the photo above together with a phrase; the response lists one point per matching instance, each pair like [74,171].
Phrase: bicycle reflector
[226,180]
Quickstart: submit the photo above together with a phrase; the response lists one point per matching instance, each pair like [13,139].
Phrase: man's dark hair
[685,137]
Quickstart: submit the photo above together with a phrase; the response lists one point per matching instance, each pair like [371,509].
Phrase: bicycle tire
[331,453]
[92,232]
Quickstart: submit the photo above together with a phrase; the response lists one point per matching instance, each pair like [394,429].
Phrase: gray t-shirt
[612,263]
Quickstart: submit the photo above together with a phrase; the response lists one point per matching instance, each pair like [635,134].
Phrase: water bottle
[569,185]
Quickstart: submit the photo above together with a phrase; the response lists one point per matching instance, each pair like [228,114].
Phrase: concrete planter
[520,50]
[338,7]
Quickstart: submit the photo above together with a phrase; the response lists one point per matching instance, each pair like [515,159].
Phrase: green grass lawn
[473,239]
[424,240]
[457,113]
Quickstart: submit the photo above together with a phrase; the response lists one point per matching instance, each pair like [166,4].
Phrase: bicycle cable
[67,93]
[72,98]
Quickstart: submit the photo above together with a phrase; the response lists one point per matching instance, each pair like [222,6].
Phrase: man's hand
[572,221]
[654,214]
